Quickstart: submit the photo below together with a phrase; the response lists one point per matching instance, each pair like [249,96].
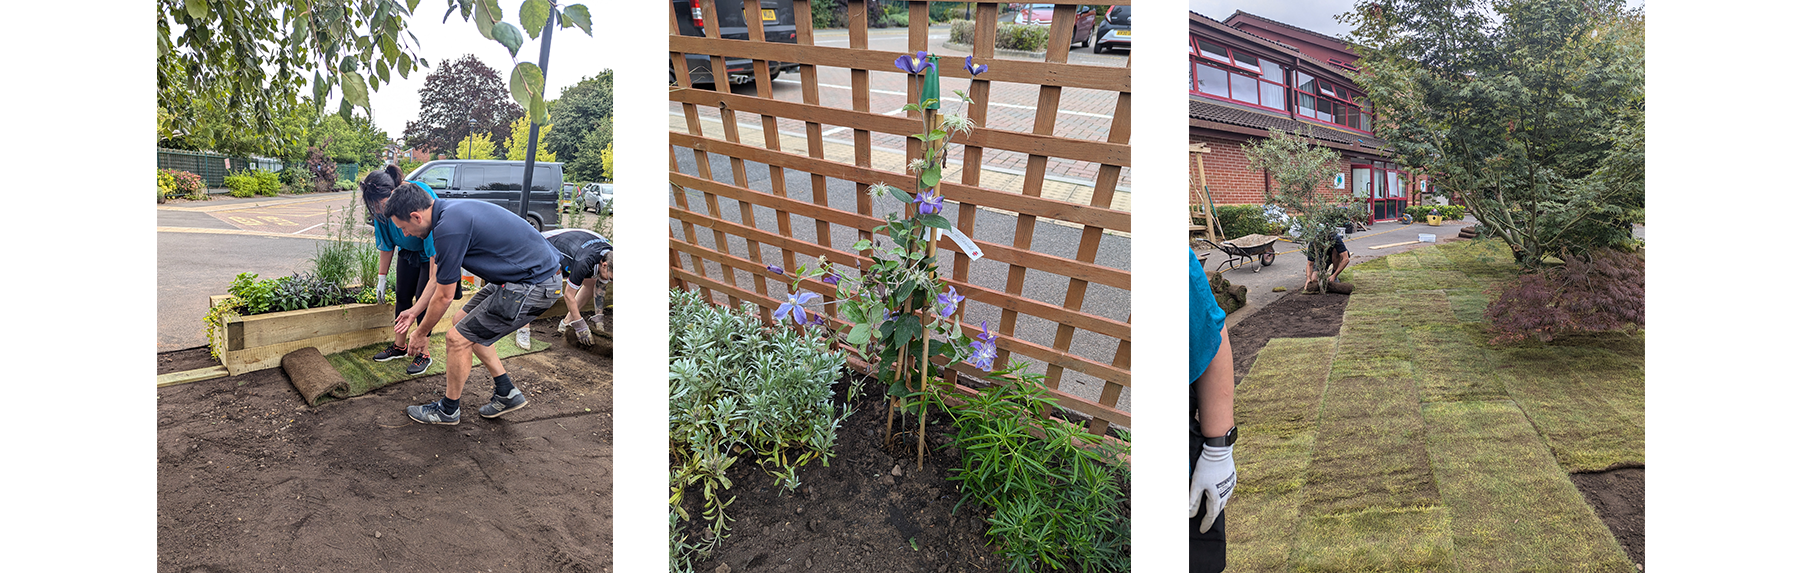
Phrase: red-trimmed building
[1248,75]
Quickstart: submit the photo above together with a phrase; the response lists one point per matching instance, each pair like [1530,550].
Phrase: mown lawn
[1409,443]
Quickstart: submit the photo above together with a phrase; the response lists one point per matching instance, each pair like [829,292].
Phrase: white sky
[1315,15]
[573,56]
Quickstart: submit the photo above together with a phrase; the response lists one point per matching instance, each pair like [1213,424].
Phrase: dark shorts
[1337,246]
[484,327]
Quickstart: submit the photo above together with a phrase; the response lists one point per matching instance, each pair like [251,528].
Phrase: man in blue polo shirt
[520,268]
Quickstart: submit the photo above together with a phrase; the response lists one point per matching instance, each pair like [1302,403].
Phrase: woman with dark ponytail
[417,260]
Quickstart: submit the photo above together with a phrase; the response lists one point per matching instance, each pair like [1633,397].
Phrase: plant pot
[1434,220]
[257,342]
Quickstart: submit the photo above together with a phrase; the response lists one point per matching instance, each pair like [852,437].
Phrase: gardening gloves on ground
[1215,475]
[380,289]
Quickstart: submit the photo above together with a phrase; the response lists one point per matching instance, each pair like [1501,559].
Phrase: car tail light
[699,17]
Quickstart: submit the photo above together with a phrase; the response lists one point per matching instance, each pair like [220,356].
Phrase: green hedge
[1007,36]
[1450,212]
[253,182]
[1239,220]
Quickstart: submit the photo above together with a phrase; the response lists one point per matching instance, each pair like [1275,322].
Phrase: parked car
[1041,15]
[1114,31]
[497,182]
[597,197]
[777,23]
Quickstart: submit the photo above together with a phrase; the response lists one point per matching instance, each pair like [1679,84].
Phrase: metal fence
[213,167]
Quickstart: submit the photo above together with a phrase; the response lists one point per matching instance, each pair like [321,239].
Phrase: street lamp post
[471,138]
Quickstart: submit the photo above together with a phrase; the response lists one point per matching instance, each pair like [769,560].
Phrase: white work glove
[1215,475]
[380,289]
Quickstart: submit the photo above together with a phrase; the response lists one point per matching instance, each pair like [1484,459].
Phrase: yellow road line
[240,207]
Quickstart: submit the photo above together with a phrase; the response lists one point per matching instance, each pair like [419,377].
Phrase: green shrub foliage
[187,184]
[1058,500]
[1007,35]
[1239,220]
[250,183]
[738,389]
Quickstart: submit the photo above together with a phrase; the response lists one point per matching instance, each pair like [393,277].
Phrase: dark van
[778,26]
[497,182]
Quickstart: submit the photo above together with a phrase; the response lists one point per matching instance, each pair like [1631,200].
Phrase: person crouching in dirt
[416,258]
[1340,258]
[1211,431]
[586,264]
[520,269]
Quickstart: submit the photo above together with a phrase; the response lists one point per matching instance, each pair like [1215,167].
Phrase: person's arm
[439,303]
[421,303]
[1216,389]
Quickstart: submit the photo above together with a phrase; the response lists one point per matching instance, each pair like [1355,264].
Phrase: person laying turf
[586,264]
[520,268]
[1340,258]
[416,263]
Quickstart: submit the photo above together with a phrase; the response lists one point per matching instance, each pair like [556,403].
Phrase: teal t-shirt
[1205,320]
[388,236]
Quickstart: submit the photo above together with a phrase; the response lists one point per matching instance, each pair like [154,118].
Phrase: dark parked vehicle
[1114,31]
[777,23]
[497,182]
[1041,14]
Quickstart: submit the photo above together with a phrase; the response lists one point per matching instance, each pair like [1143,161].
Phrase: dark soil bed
[251,479]
[855,515]
[184,360]
[1294,315]
[1618,498]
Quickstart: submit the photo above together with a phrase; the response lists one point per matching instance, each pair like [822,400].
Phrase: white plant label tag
[965,243]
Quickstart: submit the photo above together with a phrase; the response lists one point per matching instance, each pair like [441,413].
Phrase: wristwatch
[1224,441]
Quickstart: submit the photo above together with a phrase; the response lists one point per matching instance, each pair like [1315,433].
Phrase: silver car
[597,197]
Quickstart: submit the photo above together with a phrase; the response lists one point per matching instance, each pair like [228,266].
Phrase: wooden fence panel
[719,247]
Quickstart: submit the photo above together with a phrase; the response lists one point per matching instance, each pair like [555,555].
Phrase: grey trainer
[498,405]
[433,413]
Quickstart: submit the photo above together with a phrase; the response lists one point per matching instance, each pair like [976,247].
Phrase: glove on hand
[583,334]
[380,289]
[1215,475]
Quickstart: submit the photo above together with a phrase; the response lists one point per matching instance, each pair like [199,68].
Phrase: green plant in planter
[1300,169]
[1056,491]
[739,390]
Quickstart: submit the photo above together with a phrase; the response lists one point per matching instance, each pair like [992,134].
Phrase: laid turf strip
[1276,409]
[1511,507]
[1587,403]
[1410,443]
[365,374]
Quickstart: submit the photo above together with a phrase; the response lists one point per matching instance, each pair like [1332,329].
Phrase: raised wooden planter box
[259,341]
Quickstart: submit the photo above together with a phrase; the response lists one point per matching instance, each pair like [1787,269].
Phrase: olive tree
[1299,170]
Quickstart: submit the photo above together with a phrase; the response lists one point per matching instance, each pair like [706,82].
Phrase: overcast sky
[1316,15]
[573,56]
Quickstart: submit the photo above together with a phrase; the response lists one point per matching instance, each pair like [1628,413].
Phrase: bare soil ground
[1618,498]
[251,479]
[1294,315]
[855,515]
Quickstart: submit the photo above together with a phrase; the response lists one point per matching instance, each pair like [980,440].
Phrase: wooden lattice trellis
[719,270]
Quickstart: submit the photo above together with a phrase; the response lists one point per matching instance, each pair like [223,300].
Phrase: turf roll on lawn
[363,374]
[314,376]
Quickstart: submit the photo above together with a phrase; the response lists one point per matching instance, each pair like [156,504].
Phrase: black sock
[503,385]
[450,406]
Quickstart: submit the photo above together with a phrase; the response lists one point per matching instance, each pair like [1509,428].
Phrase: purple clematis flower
[974,70]
[777,270]
[830,279]
[915,64]
[793,307]
[947,302]
[929,202]
[818,319]
[985,350]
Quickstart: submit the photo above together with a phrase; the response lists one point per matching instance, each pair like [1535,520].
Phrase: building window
[1327,102]
[1230,74]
